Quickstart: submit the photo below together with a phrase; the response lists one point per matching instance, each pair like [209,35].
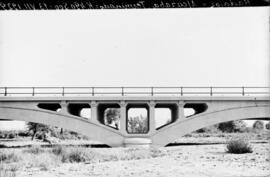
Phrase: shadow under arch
[180,128]
[94,131]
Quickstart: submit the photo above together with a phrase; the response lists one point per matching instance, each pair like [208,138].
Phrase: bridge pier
[123,118]
[138,142]
[181,115]
[63,107]
[152,121]
[94,113]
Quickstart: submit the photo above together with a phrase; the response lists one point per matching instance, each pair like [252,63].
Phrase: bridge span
[64,106]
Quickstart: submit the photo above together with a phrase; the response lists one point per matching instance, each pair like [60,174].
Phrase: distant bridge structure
[63,107]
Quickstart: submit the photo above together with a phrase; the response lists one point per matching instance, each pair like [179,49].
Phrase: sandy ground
[180,161]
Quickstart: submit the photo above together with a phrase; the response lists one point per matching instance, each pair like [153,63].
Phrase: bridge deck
[133,93]
[136,98]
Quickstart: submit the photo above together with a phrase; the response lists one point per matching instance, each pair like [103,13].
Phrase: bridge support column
[181,115]
[63,107]
[94,116]
[123,118]
[152,121]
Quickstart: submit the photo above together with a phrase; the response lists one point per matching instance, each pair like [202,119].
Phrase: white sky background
[149,47]
[160,47]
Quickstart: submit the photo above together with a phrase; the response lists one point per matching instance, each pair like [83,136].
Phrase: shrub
[34,150]
[188,135]
[59,150]
[138,124]
[44,161]
[75,155]
[238,146]
[8,134]
[155,152]
[23,133]
[210,129]
[141,153]
[258,125]
[232,126]
[8,170]
[267,126]
[9,157]
[11,136]
[70,135]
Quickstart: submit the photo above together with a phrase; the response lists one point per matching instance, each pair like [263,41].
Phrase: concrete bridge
[63,107]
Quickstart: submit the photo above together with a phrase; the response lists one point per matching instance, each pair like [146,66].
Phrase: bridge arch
[182,127]
[86,127]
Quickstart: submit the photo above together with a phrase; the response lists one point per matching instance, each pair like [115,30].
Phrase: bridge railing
[134,91]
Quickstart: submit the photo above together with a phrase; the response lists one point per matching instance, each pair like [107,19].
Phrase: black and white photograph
[115,88]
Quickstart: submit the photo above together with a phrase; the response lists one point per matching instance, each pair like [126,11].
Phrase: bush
[34,150]
[239,146]
[11,136]
[8,134]
[141,153]
[43,161]
[23,134]
[59,150]
[258,125]
[70,135]
[232,126]
[210,129]
[9,157]
[138,124]
[8,170]
[75,155]
[267,126]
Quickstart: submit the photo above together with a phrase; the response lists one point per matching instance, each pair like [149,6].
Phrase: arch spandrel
[94,131]
[178,129]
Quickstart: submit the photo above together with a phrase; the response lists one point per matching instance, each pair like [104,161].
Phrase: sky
[135,47]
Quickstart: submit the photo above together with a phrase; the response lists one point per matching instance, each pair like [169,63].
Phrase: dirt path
[181,161]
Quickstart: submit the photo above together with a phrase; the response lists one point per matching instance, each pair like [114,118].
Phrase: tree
[138,124]
[37,128]
[112,117]
[232,126]
[258,125]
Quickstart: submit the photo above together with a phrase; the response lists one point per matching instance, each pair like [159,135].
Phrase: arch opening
[137,118]
[50,106]
[80,110]
[191,109]
[109,115]
[165,114]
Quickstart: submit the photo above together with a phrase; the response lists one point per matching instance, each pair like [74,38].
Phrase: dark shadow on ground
[194,144]
[54,145]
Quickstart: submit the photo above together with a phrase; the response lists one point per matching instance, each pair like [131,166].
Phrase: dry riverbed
[189,160]
[195,156]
